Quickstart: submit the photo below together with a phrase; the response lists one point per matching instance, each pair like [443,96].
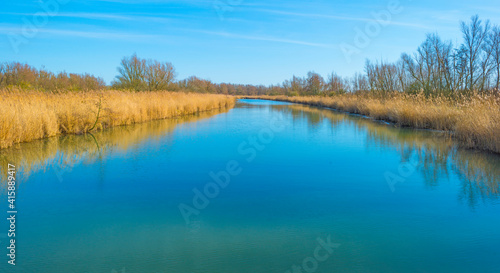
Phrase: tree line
[138,74]
[440,67]
[437,68]
[24,76]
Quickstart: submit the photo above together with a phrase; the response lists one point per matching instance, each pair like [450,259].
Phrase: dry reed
[475,121]
[30,115]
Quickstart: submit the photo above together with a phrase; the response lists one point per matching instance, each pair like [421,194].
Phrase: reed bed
[30,115]
[475,121]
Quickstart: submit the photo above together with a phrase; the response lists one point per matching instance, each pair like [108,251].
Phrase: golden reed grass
[30,115]
[474,121]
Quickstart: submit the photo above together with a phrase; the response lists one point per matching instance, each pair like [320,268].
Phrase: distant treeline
[150,75]
[27,77]
[437,68]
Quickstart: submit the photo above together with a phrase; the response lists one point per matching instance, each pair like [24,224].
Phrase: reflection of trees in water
[299,113]
[430,150]
[436,154]
[480,174]
[60,154]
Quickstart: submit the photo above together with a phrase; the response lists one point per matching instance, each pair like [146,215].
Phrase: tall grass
[30,115]
[475,121]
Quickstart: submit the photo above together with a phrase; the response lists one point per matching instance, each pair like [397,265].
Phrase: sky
[235,41]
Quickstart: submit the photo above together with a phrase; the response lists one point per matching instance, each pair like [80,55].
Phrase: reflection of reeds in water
[435,153]
[60,154]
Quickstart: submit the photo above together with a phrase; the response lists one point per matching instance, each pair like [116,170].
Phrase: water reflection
[60,154]
[479,174]
[437,156]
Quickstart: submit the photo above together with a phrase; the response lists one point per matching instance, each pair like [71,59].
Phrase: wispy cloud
[149,37]
[102,16]
[193,2]
[337,17]
[262,38]
[110,16]
[159,18]
[85,34]
[164,2]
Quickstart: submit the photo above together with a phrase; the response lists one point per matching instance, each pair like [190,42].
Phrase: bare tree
[336,84]
[131,73]
[432,68]
[475,35]
[139,74]
[494,42]
[159,76]
[359,82]
[315,83]
[298,85]
[383,78]
[198,85]
[2,73]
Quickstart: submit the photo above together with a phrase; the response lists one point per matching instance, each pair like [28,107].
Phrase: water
[306,187]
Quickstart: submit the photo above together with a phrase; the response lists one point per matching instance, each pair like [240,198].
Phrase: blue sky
[237,41]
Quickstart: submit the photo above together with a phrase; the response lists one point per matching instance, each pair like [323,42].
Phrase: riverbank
[474,121]
[30,115]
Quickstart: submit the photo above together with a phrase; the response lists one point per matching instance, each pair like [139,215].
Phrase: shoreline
[380,121]
[353,106]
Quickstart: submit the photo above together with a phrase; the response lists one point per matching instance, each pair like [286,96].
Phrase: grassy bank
[30,115]
[474,121]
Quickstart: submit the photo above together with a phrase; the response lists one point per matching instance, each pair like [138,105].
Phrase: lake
[263,187]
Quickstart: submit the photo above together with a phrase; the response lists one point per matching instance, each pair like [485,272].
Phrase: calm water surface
[382,199]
